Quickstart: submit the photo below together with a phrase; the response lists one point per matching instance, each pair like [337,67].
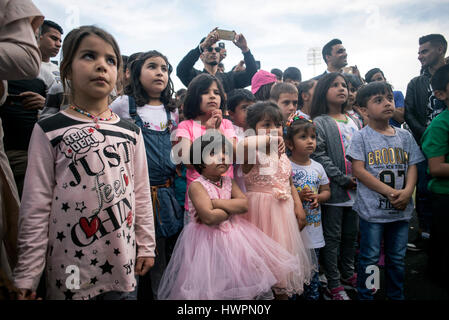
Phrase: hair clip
[295,117]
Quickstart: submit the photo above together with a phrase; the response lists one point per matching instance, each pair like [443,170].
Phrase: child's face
[443,95]
[239,115]
[352,91]
[266,126]
[338,92]
[303,142]
[210,100]
[94,69]
[310,92]
[380,107]
[154,76]
[378,77]
[216,163]
[288,102]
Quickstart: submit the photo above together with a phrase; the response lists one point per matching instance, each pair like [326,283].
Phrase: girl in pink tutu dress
[273,202]
[219,255]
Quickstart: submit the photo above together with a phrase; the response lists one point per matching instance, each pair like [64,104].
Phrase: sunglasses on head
[217,49]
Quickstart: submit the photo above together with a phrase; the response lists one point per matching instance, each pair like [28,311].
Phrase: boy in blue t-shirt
[384,162]
[435,145]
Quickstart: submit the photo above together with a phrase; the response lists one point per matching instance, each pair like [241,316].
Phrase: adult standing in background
[420,108]
[49,45]
[20,59]
[21,112]
[209,53]
[335,57]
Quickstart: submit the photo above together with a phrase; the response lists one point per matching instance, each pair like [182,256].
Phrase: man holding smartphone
[209,53]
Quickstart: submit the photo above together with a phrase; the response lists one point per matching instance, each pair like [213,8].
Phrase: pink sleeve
[144,224]
[184,130]
[228,129]
[35,211]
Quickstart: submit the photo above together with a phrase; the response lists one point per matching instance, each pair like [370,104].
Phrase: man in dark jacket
[209,53]
[420,108]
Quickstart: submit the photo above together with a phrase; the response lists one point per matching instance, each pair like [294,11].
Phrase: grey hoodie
[330,153]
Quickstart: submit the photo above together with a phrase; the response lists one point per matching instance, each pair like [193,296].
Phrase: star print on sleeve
[60,236]
[79,254]
[106,267]
[59,284]
[128,267]
[93,280]
[116,251]
[80,206]
[93,262]
[65,206]
[68,295]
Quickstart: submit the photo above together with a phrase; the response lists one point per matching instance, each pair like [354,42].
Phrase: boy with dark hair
[384,162]
[238,102]
[398,118]
[278,73]
[286,96]
[292,75]
[435,145]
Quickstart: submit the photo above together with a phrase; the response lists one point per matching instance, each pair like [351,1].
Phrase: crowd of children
[245,195]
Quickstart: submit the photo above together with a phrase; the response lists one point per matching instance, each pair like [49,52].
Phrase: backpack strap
[133,111]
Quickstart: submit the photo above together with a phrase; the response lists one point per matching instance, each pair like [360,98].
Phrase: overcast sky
[380,33]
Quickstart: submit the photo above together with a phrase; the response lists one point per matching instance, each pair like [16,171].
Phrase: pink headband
[260,78]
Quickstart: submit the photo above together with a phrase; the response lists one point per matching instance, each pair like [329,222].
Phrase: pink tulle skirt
[276,218]
[234,260]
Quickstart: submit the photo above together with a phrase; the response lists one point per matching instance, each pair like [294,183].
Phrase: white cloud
[279,33]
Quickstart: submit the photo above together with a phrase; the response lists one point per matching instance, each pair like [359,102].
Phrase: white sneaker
[336,294]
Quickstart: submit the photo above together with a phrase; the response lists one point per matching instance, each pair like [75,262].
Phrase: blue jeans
[395,235]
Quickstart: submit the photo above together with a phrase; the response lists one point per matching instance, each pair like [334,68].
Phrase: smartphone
[349,70]
[226,34]
[258,64]
[221,45]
